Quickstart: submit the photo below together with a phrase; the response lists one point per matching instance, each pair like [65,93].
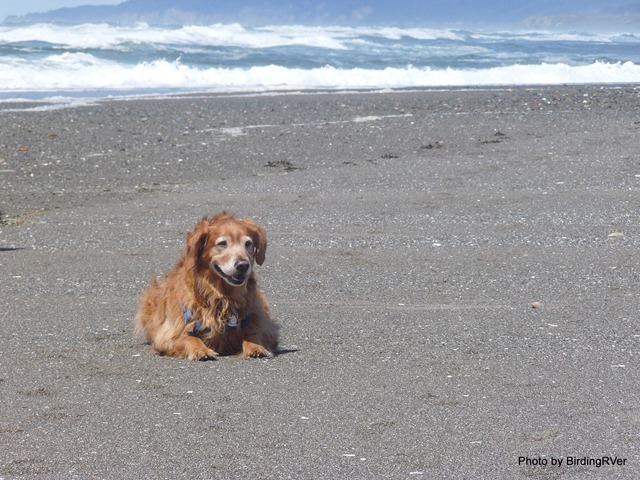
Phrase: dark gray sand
[456,274]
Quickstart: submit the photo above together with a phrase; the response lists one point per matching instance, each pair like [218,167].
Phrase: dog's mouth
[236,280]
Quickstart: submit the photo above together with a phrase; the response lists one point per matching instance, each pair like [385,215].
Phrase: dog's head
[228,247]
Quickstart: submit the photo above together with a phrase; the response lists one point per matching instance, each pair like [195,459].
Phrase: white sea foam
[232,58]
[108,36]
[80,71]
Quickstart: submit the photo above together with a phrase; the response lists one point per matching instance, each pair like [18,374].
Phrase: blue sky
[13,7]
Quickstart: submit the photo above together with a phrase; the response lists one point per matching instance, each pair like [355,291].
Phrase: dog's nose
[242,266]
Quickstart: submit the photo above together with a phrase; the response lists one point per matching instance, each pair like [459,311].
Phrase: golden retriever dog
[210,304]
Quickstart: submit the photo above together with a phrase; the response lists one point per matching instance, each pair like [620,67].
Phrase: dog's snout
[242,266]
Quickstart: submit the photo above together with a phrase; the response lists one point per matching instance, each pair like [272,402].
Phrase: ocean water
[98,60]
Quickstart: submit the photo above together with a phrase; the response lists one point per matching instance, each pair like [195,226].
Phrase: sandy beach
[455,271]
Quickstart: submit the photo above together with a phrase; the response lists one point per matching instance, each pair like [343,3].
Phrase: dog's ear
[196,240]
[259,237]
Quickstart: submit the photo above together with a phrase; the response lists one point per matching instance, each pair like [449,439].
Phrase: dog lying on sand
[210,303]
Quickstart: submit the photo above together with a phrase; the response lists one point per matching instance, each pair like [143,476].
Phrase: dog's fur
[186,314]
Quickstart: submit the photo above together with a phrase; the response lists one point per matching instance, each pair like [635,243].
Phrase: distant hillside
[247,12]
[342,12]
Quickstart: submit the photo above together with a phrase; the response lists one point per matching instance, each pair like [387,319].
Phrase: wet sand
[456,273]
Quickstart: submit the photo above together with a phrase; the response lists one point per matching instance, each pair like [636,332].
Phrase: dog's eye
[222,244]
[248,244]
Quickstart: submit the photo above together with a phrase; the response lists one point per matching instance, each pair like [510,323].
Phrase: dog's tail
[140,327]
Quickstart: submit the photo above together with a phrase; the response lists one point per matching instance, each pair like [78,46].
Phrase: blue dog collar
[232,323]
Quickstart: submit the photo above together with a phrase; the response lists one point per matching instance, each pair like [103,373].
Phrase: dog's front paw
[253,350]
[202,353]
